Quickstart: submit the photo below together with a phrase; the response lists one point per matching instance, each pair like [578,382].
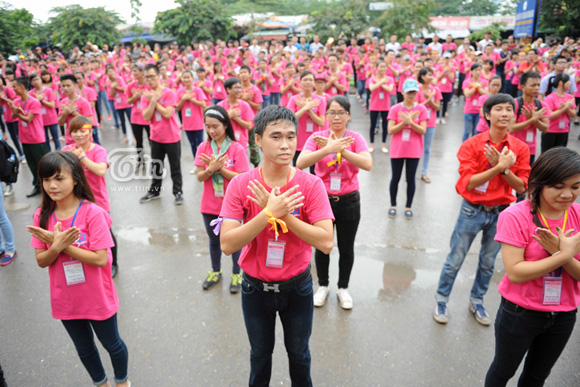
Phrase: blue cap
[410,85]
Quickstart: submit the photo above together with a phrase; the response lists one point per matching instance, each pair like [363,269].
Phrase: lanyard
[287,178]
[25,103]
[74,217]
[563,230]
[337,156]
[503,146]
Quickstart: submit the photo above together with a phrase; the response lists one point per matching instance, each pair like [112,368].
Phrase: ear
[258,140]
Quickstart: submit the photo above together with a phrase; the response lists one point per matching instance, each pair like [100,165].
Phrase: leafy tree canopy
[344,21]
[17,29]
[406,17]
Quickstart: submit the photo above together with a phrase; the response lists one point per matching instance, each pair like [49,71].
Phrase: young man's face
[152,78]
[235,91]
[68,87]
[500,115]
[244,75]
[278,142]
[532,87]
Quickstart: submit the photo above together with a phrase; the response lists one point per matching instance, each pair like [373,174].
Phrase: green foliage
[288,7]
[137,30]
[345,21]
[136,9]
[406,17]
[74,25]
[560,17]
[17,29]
[494,28]
[195,20]
[466,8]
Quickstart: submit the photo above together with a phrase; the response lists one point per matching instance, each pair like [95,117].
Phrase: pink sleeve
[100,155]
[202,149]
[258,95]
[393,114]
[292,105]
[438,96]
[512,228]
[360,145]
[85,109]
[310,145]
[318,208]
[99,224]
[423,116]
[35,108]
[233,205]
[171,99]
[247,113]
[242,165]
[36,243]
[144,103]
[200,95]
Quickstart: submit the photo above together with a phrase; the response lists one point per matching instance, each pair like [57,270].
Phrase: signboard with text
[450,22]
[481,22]
[526,18]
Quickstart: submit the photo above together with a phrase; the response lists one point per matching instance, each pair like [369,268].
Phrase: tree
[17,29]
[406,17]
[495,29]
[195,20]
[74,25]
[345,19]
[467,7]
[560,17]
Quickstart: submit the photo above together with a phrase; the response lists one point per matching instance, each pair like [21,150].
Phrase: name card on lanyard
[73,269]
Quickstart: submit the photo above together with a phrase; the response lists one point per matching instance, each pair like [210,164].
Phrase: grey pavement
[181,335]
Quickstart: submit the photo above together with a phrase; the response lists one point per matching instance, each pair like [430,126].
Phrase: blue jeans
[542,335]
[13,130]
[122,113]
[102,97]
[469,223]
[471,120]
[6,228]
[53,130]
[360,88]
[81,333]
[267,101]
[427,141]
[295,307]
[215,101]
[195,138]
[115,114]
[95,135]
[275,98]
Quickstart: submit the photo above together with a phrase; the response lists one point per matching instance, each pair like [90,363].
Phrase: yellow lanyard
[547,225]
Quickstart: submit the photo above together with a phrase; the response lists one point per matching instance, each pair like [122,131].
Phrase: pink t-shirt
[515,227]
[381,98]
[237,162]
[96,298]
[446,83]
[348,172]
[529,134]
[83,108]
[305,124]
[560,124]
[289,93]
[472,103]
[10,94]
[98,184]
[120,101]
[333,90]
[264,86]
[137,109]
[49,116]
[91,96]
[31,132]
[207,84]
[297,253]
[246,114]
[191,114]
[482,125]
[164,130]
[407,144]
[256,97]
[431,113]
[219,91]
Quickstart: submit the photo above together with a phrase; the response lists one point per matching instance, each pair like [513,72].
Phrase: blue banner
[526,18]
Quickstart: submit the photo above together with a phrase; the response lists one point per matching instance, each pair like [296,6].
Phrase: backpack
[9,163]
[520,101]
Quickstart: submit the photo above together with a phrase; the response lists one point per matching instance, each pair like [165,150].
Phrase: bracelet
[556,253]
[82,157]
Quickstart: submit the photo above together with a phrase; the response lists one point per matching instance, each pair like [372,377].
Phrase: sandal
[408,214]
[392,213]
[425,179]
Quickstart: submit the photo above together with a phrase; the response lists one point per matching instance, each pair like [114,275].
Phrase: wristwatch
[506,172]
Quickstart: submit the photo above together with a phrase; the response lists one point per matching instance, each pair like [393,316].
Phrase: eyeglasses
[340,114]
[151,76]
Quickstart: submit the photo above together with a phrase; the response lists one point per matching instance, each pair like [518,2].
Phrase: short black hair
[496,99]
[22,81]
[341,100]
[230,82]
[558,57]
[273,114]
[424,71]
[152,66]
[525,76]
[68,77]
[247,68]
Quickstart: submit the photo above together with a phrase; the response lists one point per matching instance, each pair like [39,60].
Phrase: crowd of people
[274,105]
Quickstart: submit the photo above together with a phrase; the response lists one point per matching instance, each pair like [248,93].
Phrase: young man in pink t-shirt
[240,111]
[72,105]
[159,108]
[277,227]
[29,112]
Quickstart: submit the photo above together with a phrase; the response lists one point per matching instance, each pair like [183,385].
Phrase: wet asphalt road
[180,335]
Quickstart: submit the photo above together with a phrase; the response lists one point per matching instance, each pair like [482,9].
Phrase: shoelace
[212,276]
[479,309]
[441,307]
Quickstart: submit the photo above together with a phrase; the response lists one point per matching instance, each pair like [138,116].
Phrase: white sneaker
[344,299]
[9,190]
[438,121]
[443,121]
[384,149]
[192,172]
[321,295]
[371,148]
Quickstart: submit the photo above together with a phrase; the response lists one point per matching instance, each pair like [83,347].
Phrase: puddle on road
[160,237]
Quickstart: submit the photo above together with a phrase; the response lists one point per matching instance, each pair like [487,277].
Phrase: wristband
[275,222]
[82,157]
[556,253]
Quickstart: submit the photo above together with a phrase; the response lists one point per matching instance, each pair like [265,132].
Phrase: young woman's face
[214,128]
[567,85]
[187,79]
[307,82]
[381,68]
[428,78]
[561,196]
[82,137]
[59,186]
[475,73]
[337,116]
[46,78]
[494,86]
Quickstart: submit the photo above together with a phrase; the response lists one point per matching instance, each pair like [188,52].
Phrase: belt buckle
[334,198]
[268,287]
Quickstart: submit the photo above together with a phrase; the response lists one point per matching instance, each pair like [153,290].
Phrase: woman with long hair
[563,108]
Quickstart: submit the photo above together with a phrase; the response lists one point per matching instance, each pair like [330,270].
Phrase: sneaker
[438,121]
[9,190]
[443,121]
[178,199]
[440,314]
[480,314]
[213,277]
[408,214]
[384,149]
[371,148]
[236,283]
[7,258]
[344,299]
[150,196]
[192,172]
[321,295]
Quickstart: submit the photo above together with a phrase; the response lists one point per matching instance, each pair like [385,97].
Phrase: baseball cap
[407,57]
[447,55]
[410,85]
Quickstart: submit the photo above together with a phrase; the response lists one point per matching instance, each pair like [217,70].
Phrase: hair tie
[87,126]
[214,113]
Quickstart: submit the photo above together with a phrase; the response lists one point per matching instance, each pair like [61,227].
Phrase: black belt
[489,210]
[336,199]
[277,287]
[535,312]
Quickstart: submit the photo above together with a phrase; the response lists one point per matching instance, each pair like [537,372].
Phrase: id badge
[381,95]
[43,111]
[552,290]
[24,124]
[562,124]
[444,81]
[157,116]
[218,189]
[428,113]
[530,136]
[406,136]
[118,98]
[237,136]
[275,256]
[74,273]
[218,89]
[482,189]
[474,102]
[188,112]
[309,126]
[335,181]
[289,95]
[334,90]
[139,106]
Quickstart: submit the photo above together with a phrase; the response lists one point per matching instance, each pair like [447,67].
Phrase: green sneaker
[236,283]
[213,277]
